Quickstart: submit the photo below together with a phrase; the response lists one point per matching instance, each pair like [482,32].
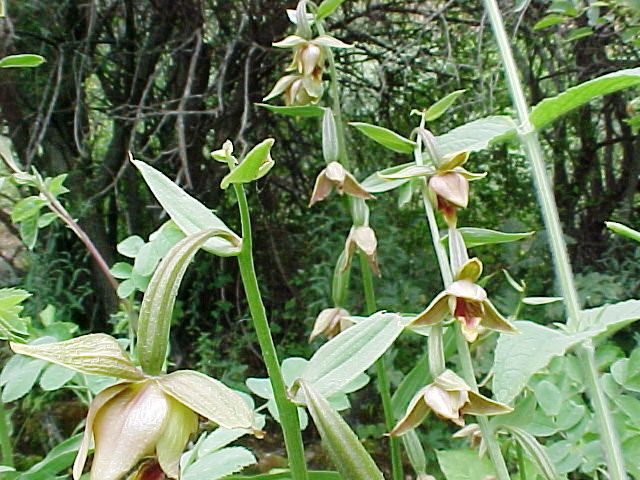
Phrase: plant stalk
[287,410]
[381,370]
[6,449]
[463,347]
[531,144]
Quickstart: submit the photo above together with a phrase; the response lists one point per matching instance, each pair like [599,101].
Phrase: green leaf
[286,475]
[19,376]
[156,311]
[415,452]
[441,106]
[417,378]
[29,231]
[254,166]
[535,451]
[121,270]
[549,21]
[26,208]
[12,327]
[130,246]
[474,237]
[550,109]
[21,61]
[549,397]
[579,33]
[348,455]
[55,377]
[327,7]
[126,288]
[476,135]
[608,319]
[146,261]
[295,111]
[96,353]
[518,357]
[330,148]
[377,183]
[623,230]
[464,465]
[219,464]
[385,137]
[46,219]
[343,358]
[60,458]
[187,212]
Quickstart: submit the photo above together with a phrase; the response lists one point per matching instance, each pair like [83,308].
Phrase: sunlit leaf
[28,60]
[441,106]
[623,230]
[385,137]
[552,108]
[327,7]
[254,166]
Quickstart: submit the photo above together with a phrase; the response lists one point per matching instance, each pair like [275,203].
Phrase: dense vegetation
[170,81]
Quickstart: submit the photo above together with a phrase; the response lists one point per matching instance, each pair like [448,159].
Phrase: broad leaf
[22,60]
[294,111]
[474,237]
[476,135]
[519,356]
[348,455]
[385,137]
[436,110]
[156,311]
[187,212]
[55,377]
[550,109]
[608,319]
[326,8]
[60,458]
[130,246]
[208,397]
[464,465]
[346,356]
[96,353]
[19,375]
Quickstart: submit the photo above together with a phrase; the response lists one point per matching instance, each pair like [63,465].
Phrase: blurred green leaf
[28,60]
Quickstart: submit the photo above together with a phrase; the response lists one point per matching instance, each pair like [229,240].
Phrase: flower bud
[363,238]
[329,322]
[335,175]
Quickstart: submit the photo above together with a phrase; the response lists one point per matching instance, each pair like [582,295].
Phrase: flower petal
[467,290]
[494,321]
[208,397]
[436,312]
[98,402]
[417,411]
[290,42]
[471,270]
[329,41]
[450,381]
[412,171]
[469,175]
[321,189]
[452,187]
[328,322]
[480,405]
[445,404]
[127,429]
[97,353]
[180,425]
[453,160]
[336,173]
[365,238]
[353,188]
[280,86]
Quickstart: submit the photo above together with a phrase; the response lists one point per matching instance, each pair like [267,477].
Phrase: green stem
[287,410]
[529,139]
[521,465]
[383,379]
[6,448]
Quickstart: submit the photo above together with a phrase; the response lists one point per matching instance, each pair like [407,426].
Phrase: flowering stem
[6,448]
[436,350]
[531,144]
[381,370]
[286,409]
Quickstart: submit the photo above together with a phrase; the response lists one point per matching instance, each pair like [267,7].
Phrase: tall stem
[383,379]
[436,350]
[532,147]
[287,410]
[6,449]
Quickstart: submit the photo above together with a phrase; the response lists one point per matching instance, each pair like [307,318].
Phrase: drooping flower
[335,175]
[450,398]
[473,433]
[330,322]
[363,238]
[467,302]
[141,415]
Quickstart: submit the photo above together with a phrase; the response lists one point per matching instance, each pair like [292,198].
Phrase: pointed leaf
[339,361]
[474,237]
[379,182]
[326,8]
[441,106]
[608,319]
[535,451]
[22,60]
[385,137]
[208,397]
[623,230]
[329,137]
[255,165]
[12,327]
[96,353]
[219,464]
[156,311]
[550,109]
[348,455]
[187,212]
[295,111]
[541,300]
